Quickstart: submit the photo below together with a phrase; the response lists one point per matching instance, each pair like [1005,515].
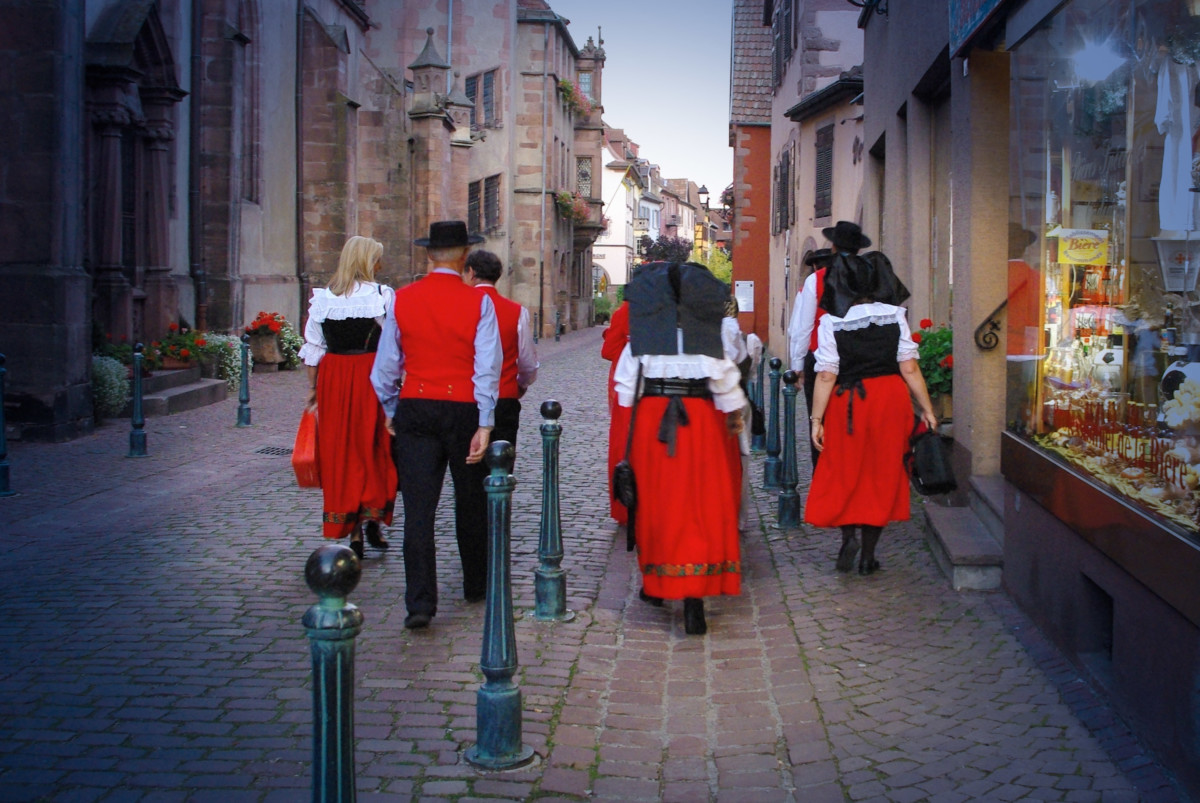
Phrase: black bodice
[867,352]
[351,336]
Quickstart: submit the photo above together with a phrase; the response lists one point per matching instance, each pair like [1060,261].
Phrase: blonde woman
[358,477]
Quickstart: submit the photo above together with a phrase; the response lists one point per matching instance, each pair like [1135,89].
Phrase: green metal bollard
[772,465]
[5,490]
[498,702]
[243,414]
[788,514]
[137,421]
[332,572]
[557,325]
[758,443]
[550,581]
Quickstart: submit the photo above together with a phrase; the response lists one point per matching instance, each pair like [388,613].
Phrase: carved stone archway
[132,90]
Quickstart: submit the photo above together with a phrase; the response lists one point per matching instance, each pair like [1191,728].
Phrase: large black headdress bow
[667,296]
[852,279]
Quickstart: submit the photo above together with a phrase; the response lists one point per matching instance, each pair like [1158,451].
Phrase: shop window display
[1103,330]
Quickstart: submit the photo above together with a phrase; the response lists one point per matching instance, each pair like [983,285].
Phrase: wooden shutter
[823,178]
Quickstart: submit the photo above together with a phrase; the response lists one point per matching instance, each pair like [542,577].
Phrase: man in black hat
[437,375]
[846,238]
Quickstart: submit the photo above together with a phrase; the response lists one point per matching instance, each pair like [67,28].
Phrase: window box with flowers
[935,349]
[573,207]
[575,97]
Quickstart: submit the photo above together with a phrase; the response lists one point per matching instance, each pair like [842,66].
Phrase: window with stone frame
[481,89]
[823,174]
[585,83]
[483,204]
[583,176]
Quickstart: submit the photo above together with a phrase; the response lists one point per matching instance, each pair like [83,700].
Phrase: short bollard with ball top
[498,702]
[772,465]
[788,514]
[137,421]
[758,442]
[332,572]
[550,581]
[243,414]
[5,490]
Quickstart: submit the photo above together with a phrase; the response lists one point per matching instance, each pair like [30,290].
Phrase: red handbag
[304,452]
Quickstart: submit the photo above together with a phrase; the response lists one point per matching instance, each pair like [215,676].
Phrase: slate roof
[750,71]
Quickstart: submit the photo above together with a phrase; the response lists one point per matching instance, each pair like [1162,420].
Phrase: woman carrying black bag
[862,416]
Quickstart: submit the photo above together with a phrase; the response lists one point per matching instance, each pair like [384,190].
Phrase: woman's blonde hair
[357,264]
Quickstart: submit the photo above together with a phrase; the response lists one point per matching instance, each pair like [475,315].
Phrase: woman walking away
[684,452]
[615,338]
[358,477]
[862,417]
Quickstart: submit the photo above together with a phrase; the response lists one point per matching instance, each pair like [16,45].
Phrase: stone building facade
[229,147]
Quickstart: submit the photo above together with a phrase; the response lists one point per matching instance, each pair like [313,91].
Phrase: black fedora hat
[846,235]
[819,257]
[448,234]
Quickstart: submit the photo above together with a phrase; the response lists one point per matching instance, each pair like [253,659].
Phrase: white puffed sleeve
[907,348]
[314,347]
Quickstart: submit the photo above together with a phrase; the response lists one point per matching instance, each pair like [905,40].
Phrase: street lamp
[703,194]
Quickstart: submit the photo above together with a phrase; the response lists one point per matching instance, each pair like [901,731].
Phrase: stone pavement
[151,646]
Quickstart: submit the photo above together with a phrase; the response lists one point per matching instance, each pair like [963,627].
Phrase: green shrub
[110,387]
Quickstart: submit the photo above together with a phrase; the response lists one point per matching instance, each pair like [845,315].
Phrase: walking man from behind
[520,366]
[437,375]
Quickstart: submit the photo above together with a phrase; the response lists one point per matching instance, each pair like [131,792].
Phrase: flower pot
[266,348]
[208,366]
[174,363]
[943,407]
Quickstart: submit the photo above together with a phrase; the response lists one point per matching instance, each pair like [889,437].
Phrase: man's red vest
[812,340]
[508,315]
[438,316]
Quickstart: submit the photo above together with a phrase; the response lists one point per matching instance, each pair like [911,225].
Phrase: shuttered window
[823,177]
[474,206]
[480,89]
[491,201]
[472,91]
[489,98]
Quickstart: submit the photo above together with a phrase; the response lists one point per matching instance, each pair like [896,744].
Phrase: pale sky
[666,79]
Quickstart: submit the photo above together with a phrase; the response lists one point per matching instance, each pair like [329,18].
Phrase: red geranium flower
[948,361]
[926,323]
[201,342]
[174,327]
[185,353]
[916,336]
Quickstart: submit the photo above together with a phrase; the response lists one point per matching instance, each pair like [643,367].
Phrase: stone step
[963,547]
[177,398]
[162,379]
[987,500]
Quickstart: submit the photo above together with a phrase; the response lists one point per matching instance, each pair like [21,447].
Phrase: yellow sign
[1082,246]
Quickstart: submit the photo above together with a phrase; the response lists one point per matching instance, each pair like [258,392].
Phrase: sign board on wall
[966,18]
[744,293]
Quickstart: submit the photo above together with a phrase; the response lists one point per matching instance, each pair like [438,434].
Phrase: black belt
[351,352]
[693,388]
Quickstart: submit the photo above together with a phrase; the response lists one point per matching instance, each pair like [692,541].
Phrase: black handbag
[624,483]
[928,462]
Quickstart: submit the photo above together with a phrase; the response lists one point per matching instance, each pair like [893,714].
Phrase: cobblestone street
[151,646]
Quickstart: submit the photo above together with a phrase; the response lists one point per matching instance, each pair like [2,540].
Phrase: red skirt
[358,477]
[860,478]
[686,521]
[618,431]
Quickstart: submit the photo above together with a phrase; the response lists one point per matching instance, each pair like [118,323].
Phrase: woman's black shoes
[357,547]
[847,554]
[693,617]
[649,600]
[375,536]
[868,566]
